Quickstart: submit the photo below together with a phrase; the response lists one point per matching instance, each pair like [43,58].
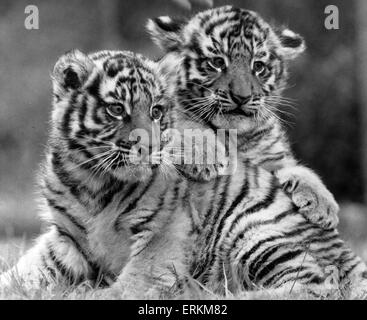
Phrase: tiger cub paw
[200,172]
[310,195]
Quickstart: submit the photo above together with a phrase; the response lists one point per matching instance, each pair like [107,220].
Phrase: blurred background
[328,84]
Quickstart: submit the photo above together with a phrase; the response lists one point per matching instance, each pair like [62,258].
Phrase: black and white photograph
[202,150]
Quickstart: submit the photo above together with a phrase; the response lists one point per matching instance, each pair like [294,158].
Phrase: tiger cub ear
[291,44]
[166,32]
[71,71]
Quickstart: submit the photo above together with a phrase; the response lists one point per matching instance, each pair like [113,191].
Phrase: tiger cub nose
[239,100]
[124,144]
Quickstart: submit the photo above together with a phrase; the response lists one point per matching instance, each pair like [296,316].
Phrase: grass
[12,249]
[353,228]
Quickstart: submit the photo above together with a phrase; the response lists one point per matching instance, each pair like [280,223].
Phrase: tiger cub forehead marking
[127,77]
[229,31]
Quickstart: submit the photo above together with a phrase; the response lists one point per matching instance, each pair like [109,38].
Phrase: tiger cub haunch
[252,237]
[228,68]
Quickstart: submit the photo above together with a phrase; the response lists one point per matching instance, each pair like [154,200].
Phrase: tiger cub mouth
[240,111]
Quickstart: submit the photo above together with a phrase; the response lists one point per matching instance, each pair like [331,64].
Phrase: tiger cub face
[231,64]
[109,110]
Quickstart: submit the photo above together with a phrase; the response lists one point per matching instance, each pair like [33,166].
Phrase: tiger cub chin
[228,68]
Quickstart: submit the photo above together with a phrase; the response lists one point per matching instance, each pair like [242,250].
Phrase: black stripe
[311,278]
[282,273]
[82,111]
[346,272]
[219,230]
[272,158]
[255,135]
[176,194]
[263,204]
[65,124]
[132,205]
[296,231]
[64,177]
[52,190]
[195,46]
[139,227]
[61,268]
[48,269]
[261,259]
[221,21]
[337,245]
[63,233]
[109,136]
[63,211]
[223,200]
[276,262]
[267,201]
[97,275]
[107,197]
[195,229]
[214,197]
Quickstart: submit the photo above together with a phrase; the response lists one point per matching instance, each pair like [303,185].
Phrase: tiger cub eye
[259,67]
[156,112]
[217,63]
[116,111]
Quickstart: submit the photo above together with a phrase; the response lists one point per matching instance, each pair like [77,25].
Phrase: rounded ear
[166,32]
[291,44]
[71,71]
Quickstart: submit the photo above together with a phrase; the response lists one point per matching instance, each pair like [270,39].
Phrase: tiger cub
[111,215]
[228,68]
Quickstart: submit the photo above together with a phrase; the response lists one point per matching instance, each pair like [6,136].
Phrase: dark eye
[116,111]
[156,112]
[237,29]
[259,67]
[217,63]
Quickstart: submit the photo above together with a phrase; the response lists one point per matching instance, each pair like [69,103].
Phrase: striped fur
[252,237]
[103,211]
[228,68]
[138,228]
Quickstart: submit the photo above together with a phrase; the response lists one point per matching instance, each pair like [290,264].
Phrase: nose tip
[239,100]
[124,144]
[220,92]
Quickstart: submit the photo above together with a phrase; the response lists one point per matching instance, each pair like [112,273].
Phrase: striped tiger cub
[228,68]
[110,213]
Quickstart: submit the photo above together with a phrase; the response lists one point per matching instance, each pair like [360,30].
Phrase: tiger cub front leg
[157,258]
[310,195]
[152,272]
